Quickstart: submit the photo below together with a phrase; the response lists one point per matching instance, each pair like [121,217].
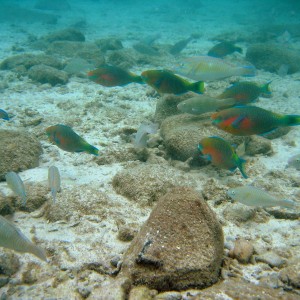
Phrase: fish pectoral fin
[55,139]
[237,121]
[206,157]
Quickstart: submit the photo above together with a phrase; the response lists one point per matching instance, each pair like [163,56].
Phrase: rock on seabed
[180,245]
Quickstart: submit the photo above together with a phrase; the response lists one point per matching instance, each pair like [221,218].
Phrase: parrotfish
[12,238]
[164,81]
[252,196]
[16,184]
[224,48]
[209,68]
[201,104]
[221,154]
[245,92]
[54,181]
[4,115]
[113,76]
[294,162]
[66,139]
[248,120]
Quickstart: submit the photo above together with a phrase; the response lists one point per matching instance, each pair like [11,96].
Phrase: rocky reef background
[152,222]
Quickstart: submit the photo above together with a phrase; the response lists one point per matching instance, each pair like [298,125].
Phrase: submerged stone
[180,246]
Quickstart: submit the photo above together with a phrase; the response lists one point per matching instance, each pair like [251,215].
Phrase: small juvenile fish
[224,48]
[294,162]
[4,115]
[208,68]
[12,238]
[16,184]
[164,81]
[252,196]
[221,154]
[248,120]
[54,181]
[66,139]
[201,104]
[113,76]
[245,92]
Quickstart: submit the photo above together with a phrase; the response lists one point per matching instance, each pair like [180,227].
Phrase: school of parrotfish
[230,113]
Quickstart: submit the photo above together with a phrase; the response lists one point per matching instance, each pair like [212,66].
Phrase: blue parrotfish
[248,120]
[4,115]
[66,139]
[221,154]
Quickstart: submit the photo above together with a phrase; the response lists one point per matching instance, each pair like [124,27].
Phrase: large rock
[18,151]
[271,57]
[180,245]
[68,34]
[146,183]
[46,74]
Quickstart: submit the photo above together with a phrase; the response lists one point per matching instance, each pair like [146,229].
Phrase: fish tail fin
[197,87]
[92,150]
[265,88]
[53,193]
[248,71]
[137,79]
[241,166]
[37,251]
[291,120]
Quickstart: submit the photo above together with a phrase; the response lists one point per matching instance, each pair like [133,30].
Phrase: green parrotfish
[221,154]
[248,120]
[66,139]
[224,48]
[164,81]
[245,91]
[208,68]
[110,76]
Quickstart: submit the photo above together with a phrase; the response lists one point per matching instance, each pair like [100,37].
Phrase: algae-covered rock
[180,246]
[47,74]
[271,57]
[9,263]
[258,145]
[26,61]
[109,44]
[122,58]
[166,106]
[19,151]
[182,133]
[68,34]
[6,205]
[148,182]
[291,275]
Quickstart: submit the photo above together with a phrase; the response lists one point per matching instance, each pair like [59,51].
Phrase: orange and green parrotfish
[221,154]
[165,82]
[245,91]
[248,120]
[113,76]
[66,139]
[224,48]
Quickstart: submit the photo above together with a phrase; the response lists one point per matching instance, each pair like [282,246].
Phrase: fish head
[232,193]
